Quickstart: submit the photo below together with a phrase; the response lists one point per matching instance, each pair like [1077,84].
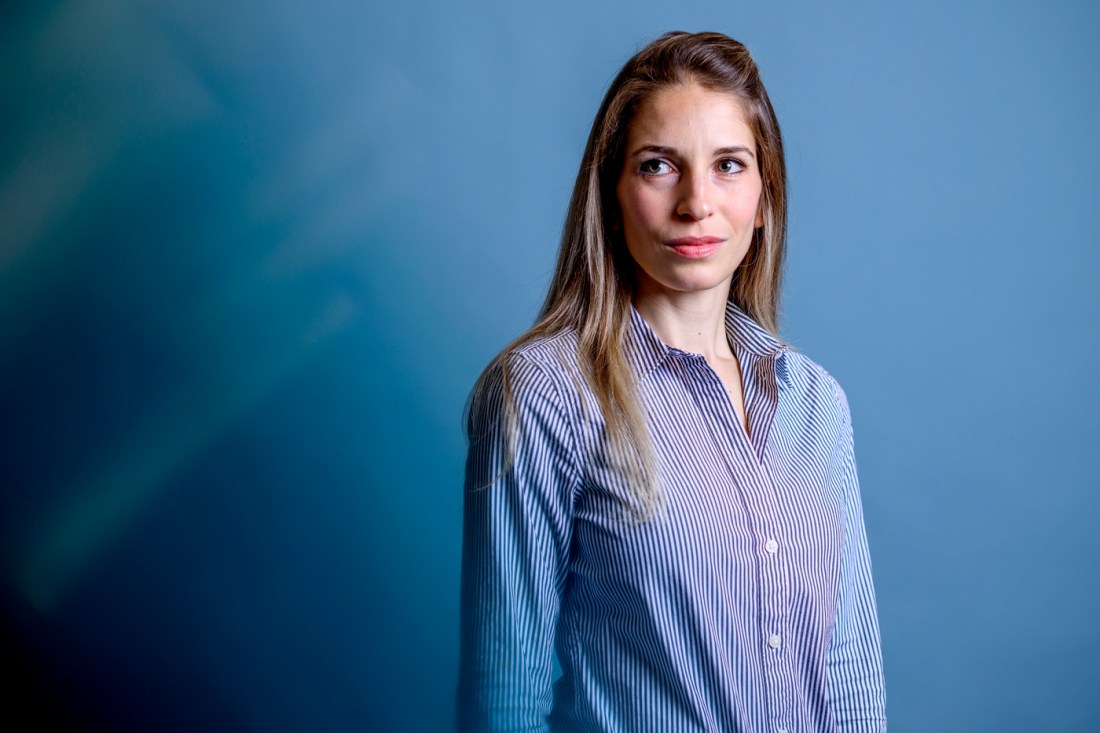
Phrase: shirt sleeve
[521,477]
[856,686]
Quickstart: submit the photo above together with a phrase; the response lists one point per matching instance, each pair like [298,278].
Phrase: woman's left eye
[729,165]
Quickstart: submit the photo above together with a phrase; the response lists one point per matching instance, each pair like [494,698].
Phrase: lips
[695,248]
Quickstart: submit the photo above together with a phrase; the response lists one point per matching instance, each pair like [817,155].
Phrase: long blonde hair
[593,281]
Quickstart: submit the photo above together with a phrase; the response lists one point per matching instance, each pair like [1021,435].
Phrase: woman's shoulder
[555,351]
[542,368]
[814,381]
[544,362]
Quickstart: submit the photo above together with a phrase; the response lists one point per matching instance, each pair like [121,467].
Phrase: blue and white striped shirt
[744,604]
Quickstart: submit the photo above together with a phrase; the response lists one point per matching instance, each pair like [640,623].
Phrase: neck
[694,322]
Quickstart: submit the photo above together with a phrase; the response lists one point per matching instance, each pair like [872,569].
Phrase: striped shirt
[744,604]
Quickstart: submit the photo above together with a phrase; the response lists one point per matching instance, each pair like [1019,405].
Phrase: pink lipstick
[694,248]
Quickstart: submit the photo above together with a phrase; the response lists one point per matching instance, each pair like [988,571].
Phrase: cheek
[748,210]
[640,209]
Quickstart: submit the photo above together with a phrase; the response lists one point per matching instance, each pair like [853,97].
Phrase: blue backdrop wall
[253,256]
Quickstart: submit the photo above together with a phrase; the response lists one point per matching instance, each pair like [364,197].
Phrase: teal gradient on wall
[254,255]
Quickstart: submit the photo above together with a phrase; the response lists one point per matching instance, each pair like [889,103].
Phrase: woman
[657,488]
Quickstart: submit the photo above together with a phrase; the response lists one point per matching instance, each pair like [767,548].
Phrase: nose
[694,201]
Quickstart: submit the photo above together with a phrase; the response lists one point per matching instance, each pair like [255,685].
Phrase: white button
[781,730]
[772,547]
[774,641]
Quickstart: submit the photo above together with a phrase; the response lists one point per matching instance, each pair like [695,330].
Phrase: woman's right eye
[655,167]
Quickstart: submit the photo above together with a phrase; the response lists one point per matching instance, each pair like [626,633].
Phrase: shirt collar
[643,348]
[647,351]
[743,331]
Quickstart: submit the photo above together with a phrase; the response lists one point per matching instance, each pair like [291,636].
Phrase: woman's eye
[655,167]
[729,165]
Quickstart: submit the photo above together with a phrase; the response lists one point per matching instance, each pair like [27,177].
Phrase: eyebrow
[672,152]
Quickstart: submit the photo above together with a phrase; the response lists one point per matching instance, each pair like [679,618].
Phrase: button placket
[762,501]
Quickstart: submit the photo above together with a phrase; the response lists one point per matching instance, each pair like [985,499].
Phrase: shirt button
[774,641]
[771,546]
[781,730]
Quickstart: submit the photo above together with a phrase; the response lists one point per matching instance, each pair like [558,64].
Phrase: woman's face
[689,190]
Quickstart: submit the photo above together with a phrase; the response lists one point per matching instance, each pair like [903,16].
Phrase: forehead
[689,111]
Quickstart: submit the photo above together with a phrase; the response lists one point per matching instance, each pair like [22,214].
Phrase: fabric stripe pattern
[744,604]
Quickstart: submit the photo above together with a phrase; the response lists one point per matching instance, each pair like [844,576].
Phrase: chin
[697,281]
[694,285]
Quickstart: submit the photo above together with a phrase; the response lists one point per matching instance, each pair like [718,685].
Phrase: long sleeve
[517,529]
[856,686]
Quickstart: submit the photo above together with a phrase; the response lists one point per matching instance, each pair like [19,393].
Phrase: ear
[759,222]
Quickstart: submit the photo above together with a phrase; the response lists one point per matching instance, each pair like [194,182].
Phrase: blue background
[254,255]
